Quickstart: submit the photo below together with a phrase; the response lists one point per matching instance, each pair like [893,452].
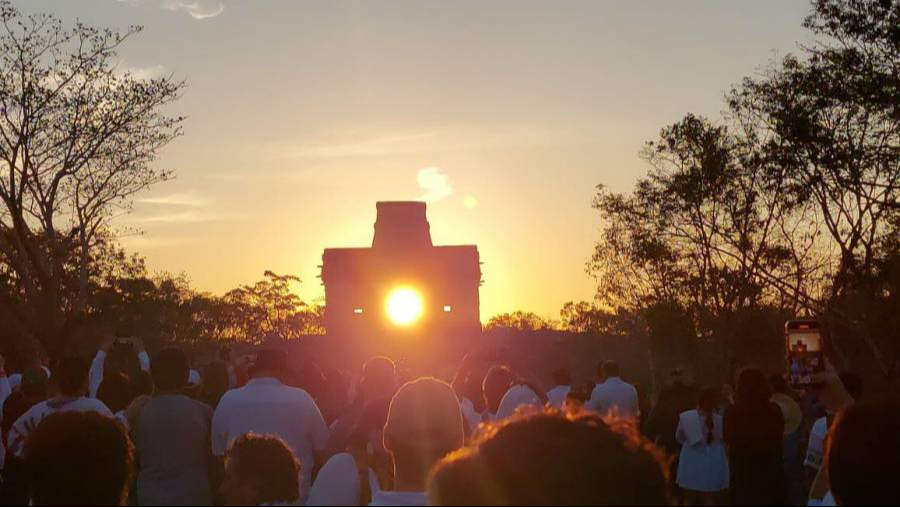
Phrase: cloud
[185,199]
[374,147]
[435,184]
[197,9]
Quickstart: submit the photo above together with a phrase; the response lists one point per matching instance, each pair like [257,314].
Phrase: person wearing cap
[424,425]
[266,406]
[171,434]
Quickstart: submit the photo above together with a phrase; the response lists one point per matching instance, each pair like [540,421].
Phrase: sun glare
[404,307]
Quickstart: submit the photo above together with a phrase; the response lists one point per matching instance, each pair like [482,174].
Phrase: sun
[404,306]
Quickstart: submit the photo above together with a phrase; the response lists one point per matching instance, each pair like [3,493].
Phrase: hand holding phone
[805,352]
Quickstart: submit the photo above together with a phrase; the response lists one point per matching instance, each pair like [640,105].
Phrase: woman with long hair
[703,466]
[754,432]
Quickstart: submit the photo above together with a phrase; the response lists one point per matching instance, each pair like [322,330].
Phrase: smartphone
[805,352]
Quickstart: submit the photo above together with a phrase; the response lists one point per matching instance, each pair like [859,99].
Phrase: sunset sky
[504,114]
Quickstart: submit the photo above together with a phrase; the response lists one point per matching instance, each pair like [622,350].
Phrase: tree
[77,140]
[519,321]
[584,317]
[270,309]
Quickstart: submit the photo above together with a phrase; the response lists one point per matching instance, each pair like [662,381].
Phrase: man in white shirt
[615,396]
[72,380]
[563,381]
[424,425]
[265,406]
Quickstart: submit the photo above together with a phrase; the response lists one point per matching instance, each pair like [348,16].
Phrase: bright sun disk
[404,307]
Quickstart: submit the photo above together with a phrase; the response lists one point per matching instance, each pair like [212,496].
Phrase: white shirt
[25,426]
[399,499]
[338,483]
[97,367]
[615,396]
[267,407]
[15,380]
[517,397]
[194,378]
[558,395]
[815,452]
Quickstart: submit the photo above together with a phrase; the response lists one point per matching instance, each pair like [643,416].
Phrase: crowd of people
[128,429]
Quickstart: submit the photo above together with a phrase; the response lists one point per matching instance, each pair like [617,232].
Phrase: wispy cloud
[435,184]
[185,199]
[142,73]
[197,9]
[374,147]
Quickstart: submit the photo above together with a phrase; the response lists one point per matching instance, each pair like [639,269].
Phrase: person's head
[215,383]
[497,382]
[115,392]
[779,384]
[562,377]
[34,384]
[379,379]
[260,470]
[575,402]
[424,424]
[863,461]
[76,458]
[708,399]
[752,387]
[143,384]
[611,370]
[270,364]
[71,377]
[550,459]
[170,370]
[853,383]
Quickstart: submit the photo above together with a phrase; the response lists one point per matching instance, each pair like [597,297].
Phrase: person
[521,396]
[378,382]
[32,390]
[267,407]
[72,383]
[121,353]
[468,384]
[355,476]
[818,436]
[497,382]
[614,396]
[703,465]
[563,384]
[785,398]
[260,470]
[551,459]
[575,401]
[216,382]
[863,462]
[115,392]
[424,425]
[754,430]
[79,458]
[172,437]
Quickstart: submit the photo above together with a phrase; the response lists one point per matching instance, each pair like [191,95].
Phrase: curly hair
[78,458]
[269,460]
[550,459]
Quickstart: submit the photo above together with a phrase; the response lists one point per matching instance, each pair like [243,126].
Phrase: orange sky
[303,114]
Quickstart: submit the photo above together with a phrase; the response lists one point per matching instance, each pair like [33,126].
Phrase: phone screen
[805,352]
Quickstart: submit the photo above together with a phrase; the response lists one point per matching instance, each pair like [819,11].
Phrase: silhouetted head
[143,384]
[611,369]
[752,387]
[115,392]
[170,370]
[76,458]
[215,383]
[562,377]
[779,384]
[35,383]
[863,462]
[270,364]
[549,459]
[379,378]
[260,470]
[424,424]
[71,377]
[497,382]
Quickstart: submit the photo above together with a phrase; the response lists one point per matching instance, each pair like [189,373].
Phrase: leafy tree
[77,139]
[519,321]
[584,317]
[270,309]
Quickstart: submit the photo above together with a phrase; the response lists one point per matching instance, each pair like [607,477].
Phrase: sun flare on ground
[404,306]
